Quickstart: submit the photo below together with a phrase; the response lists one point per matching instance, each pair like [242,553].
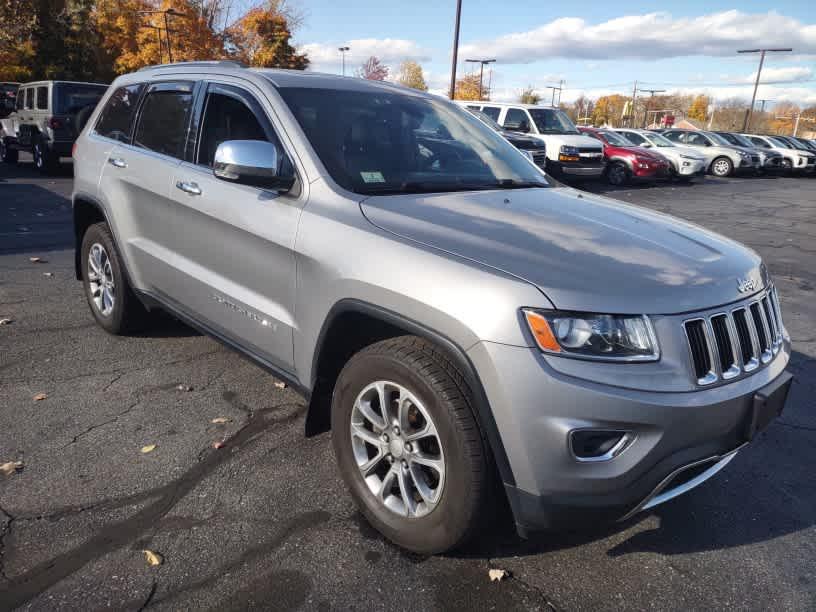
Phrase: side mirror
[647,145]
[253,162]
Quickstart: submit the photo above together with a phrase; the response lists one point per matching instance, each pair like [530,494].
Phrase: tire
[617,174]
[455,499]
[721,167]
[123,313]
[9,156]
[787,166]
[44,160]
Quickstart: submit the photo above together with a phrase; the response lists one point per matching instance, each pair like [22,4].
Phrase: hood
[641,152]
[687,151]
[573,140]
[584,252]
[521,141]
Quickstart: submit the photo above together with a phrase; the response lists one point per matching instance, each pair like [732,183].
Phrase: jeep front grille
[725,345]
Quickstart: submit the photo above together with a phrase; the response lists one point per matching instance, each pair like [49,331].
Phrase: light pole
[455,57]
[481,70]
[168,13]
[649,105]
[554,88]
[762,53]
[342,51]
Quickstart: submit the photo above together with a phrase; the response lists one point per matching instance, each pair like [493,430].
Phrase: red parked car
[626,162]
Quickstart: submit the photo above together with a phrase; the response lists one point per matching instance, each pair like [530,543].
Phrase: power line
[762,53]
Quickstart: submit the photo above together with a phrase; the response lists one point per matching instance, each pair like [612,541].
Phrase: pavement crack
[150,595]
[103,423]
[795,426]
[3,534]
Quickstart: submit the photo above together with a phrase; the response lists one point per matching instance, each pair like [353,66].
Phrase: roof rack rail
[224,63]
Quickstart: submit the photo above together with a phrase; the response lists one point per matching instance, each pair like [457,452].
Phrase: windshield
[552,121]
[659,140]
[718,139]
[70,98]
[375,142]
[617,140]
[486,119]
[780,143]
[742,141]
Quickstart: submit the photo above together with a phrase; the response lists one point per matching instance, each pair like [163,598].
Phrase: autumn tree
[410,75]
[529,96]
[262,38]
[699,108]
[608,110]
[467,88]
[373,70]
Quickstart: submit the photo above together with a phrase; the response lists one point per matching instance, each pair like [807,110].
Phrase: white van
[569,153]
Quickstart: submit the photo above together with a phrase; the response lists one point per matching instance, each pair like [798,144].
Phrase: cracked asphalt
[265,523]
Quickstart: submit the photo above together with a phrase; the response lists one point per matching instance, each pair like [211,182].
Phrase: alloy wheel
[397,449]
[722,167]
[617,174]
[100,279]
[38,156]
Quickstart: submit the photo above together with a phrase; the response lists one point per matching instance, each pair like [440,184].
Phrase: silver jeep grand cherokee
[465,330]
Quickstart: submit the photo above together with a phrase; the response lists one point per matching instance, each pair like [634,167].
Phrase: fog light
[599,444]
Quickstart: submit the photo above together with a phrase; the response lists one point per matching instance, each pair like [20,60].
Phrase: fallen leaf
[218,444]
[6,321]
[148,449]
[48,274]
[280,385]
[153,558]
[498,574]
[184,388]
[220,420]
[39,397]
[37,260]
[8,468]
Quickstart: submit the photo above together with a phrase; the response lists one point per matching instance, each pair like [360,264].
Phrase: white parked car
[687,164]
[795,160]
[723,158]
[570,154]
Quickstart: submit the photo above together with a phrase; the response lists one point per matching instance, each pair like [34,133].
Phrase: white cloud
[796,94]
[390,51]
[649,36]
[791,74]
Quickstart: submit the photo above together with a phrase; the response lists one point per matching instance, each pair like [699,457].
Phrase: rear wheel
[408,446]
[44,160]
[7,154]
[110,298]
[617,174]
[722,166]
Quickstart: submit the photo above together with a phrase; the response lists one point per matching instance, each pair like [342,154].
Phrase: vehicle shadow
[765,493]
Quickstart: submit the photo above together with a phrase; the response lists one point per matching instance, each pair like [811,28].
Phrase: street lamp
[762,53]
[482,63]
[342,51]
[169,12]
[455,55]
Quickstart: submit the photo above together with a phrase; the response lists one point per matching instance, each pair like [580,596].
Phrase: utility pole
[762,104]
[554,89]
[168,13]
[632,115]
[649,105]
[481,63]
[455,57]
[762,53]
[342,51]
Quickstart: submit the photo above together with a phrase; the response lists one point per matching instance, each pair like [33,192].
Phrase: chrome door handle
[118,162]
[188,187]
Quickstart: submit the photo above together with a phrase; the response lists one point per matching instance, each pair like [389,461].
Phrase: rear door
[136,184]
[235,259]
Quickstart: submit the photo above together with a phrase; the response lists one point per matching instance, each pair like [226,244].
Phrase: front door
[234,244]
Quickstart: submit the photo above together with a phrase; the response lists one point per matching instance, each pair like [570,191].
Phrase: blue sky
[596,48]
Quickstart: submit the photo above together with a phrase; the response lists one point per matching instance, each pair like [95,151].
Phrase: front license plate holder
[769,402]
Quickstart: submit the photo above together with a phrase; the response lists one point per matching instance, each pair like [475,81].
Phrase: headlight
[593,336]
[567,150]
[689,157]
[744,155]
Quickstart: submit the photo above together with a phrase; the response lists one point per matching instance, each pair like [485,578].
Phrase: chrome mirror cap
[250,162]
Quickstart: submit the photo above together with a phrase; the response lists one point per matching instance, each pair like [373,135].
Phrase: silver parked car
[723,158]
[464,330]
[769,160]
[687,164]
[795,159]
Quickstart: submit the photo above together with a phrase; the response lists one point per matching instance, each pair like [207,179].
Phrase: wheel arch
[351,325]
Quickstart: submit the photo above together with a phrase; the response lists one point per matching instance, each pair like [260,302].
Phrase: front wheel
[408,446]
[44,160]
[7,154]
[617,174]
[722,167]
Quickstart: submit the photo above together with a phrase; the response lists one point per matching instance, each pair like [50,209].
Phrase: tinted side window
[163,119]
[226,118]
[29,99]
[760,143]
[697,139]
[42,98]
[516,119]
[492,112]
[674,136]
[20,99]
[116,119]
[635,138]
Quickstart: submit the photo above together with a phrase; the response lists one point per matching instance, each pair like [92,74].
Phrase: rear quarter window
[162,125]
[42,98]
[116,119]
[70,98]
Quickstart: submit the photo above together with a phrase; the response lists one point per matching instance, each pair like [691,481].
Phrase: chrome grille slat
[724,345]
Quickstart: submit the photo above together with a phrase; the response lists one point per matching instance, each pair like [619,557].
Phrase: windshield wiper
[433,187]
[514,184]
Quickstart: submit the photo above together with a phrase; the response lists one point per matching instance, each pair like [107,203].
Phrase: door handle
[117,162]
[188,187]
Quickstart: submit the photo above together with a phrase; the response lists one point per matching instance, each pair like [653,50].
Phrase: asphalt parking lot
[264,521]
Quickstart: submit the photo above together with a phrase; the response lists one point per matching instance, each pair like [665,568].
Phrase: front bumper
[576,169]
[689,168]
[535,408]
